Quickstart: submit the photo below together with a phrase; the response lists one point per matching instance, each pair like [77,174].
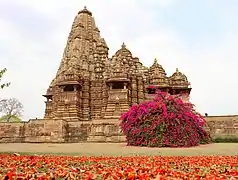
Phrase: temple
[89,85]
[91,90]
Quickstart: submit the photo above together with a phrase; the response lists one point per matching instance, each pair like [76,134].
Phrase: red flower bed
[166,121]
[158,167]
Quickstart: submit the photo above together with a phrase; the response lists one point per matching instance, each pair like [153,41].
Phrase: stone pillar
[96,98]
[85,100]
[48,109]
[141,94]
[125,84]
[134,92]
[105,97]
[129,94]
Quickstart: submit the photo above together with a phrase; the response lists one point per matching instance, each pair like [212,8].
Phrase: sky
[199,37]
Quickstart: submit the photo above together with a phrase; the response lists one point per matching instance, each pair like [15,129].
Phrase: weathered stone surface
[89,85]
[12,132]
[61,131]
[223,125]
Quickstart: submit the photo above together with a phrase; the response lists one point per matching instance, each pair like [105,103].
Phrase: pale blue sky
[200,37]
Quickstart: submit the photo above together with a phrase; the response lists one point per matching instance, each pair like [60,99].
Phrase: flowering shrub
[152,87]
[115,168]
[166,121]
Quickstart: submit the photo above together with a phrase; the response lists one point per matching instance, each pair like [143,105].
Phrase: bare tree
[12,108]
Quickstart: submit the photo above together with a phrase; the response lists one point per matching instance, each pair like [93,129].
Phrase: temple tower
[98,83]
[117,83]
[179,85]
[69,94]
[90,86]
[156,80]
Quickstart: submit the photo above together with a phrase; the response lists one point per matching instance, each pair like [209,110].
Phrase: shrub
[226,139]
[166,121]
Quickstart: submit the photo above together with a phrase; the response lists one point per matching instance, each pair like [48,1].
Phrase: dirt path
[110,149]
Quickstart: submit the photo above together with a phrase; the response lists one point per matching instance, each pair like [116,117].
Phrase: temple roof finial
[85,10]
[123,45]
[177,70]
[155,61]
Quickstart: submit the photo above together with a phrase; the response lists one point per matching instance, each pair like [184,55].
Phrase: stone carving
[89,84]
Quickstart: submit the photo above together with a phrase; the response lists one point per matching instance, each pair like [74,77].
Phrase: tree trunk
[8,118]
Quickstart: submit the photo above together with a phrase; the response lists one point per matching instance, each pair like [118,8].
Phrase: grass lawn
[116,149]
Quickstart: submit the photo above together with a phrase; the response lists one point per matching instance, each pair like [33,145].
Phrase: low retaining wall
[223,126]
[60,131]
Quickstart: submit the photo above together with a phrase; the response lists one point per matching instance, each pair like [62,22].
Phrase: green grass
[226,139]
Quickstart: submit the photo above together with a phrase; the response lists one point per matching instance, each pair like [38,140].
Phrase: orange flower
[139,167]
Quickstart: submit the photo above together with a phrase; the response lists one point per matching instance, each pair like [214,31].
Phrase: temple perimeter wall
[60,131]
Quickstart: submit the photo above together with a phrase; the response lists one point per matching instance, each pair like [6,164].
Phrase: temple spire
[79,45]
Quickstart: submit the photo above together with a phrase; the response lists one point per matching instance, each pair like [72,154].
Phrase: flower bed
[138,167]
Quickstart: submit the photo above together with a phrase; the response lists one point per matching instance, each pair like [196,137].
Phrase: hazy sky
[200,37]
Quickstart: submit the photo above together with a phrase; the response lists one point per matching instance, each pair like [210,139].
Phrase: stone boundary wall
[39,130]
[60,131]
[223,126]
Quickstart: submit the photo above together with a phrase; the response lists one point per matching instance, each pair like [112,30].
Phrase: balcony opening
[68,88]
[118,86]
[151,91]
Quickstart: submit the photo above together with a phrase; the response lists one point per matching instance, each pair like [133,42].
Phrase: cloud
[34,34]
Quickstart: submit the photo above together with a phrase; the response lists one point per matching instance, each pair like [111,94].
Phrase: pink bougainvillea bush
[166,121]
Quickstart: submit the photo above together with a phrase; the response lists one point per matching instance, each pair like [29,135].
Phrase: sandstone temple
[90,86]
[91,90]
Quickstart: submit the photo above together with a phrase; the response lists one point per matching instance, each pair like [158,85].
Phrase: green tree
[12,109]
[7,118]
[1,75]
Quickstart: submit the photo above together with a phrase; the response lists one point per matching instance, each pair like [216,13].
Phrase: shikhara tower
[91,86]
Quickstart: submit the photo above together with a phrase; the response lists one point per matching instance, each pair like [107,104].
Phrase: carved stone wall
[105,132]
[12,132]
[77,132]
[40,130]
[223,125]
[61,131]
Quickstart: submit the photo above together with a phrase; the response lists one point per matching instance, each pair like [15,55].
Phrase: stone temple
[91,86]
[90,91]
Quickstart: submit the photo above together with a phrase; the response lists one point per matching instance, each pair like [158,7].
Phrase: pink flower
[165,118]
